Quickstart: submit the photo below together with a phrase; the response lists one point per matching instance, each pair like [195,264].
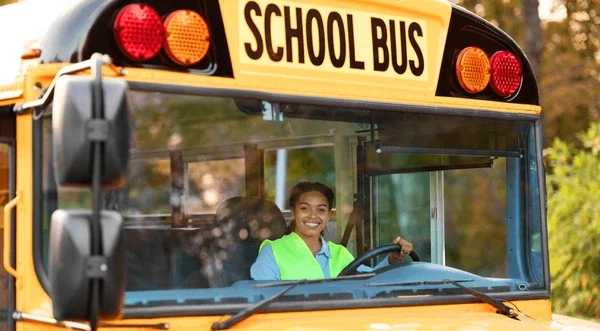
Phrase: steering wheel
[351,268]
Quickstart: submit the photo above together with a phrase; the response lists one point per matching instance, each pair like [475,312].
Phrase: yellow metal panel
[30,295]
[440,317]
[425,29]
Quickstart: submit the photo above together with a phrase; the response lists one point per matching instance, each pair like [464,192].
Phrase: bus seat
[243,223]
[174,254]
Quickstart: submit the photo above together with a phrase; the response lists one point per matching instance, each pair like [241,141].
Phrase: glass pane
[403,207]
[211,182]
[192,232]
[284,168]
[479,223]
[305,164]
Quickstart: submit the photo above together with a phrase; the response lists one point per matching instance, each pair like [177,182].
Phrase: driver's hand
[396,257]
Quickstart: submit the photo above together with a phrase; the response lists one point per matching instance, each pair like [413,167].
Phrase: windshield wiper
[501,307]
[243,314]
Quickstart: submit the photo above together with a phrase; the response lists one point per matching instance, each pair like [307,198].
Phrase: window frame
[309,100]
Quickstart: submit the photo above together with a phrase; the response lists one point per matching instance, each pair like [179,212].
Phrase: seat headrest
[241,225]
[250,219]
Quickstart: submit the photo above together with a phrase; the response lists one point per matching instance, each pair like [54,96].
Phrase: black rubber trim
[175,311]
[543,201]
[330,102]
[38,247]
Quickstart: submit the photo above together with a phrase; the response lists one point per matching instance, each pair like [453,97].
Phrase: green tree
[569,70]
[574,224]
[500,13]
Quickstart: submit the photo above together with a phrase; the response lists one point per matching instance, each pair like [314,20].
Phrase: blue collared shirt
[266,268]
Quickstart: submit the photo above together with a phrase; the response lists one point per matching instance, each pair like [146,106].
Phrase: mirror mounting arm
[68,70]
[96,128]
[96,267]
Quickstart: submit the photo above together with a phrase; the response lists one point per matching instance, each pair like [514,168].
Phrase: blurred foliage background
[573,195]
[564,48]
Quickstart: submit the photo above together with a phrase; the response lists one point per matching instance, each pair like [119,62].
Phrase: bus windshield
[463,190]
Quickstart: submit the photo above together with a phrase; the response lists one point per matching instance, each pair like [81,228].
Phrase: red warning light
[507,73]
[139,32]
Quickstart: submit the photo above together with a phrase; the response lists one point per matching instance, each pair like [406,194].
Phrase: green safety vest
[296,261]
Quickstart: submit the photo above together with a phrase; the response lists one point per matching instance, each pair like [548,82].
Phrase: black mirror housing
[71,266]
[74,130]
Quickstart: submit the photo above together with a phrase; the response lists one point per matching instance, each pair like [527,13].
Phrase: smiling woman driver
[303,253]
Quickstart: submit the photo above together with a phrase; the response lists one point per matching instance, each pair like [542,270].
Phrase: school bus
[148,148]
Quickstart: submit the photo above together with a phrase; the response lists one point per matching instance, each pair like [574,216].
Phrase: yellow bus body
[32,298]
[290,79]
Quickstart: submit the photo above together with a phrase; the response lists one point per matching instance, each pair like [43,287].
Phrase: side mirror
[74,130]
[71,266]
[90,126]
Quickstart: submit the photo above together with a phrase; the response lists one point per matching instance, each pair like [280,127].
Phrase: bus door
[7,240]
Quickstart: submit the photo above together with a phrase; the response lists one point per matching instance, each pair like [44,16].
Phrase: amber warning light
[475,71]
[141,34]
[187,37]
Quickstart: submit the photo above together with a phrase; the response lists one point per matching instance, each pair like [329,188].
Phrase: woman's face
[311,214]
